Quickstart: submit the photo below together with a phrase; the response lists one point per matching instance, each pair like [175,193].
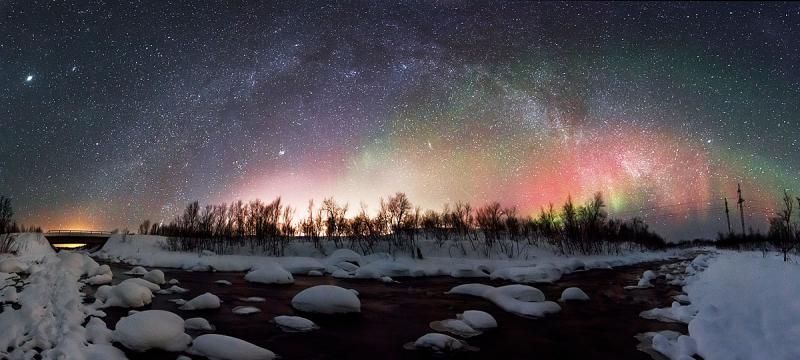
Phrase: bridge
[77,239]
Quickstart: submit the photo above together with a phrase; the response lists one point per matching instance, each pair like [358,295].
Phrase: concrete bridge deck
[77,238]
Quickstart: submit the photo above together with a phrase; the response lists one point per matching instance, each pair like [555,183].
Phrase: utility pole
[728,216]
[740,202]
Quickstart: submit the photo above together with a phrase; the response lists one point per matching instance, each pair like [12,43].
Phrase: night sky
[113,113]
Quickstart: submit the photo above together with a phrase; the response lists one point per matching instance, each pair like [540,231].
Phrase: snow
[12,265]
[454,326]
[674,313]
[747,306]
[521,300]
[137,271]
[198,323]
[151,329]
[246,310]
[221,347]
[478,319]
[294,323]
[223,282]
[253,299]
[132,292]
[30,246]
[174,289]
[204,301]
[534,264]
[573,293]
[155,277]
[100,279]
[439,343]
[326,299]
[645,281]
[269,273]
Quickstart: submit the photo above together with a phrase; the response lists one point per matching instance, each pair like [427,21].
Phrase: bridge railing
[88,232]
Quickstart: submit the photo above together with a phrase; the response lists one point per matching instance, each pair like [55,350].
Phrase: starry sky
[111,113]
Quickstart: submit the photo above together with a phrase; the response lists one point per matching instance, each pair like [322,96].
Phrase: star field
[113,113]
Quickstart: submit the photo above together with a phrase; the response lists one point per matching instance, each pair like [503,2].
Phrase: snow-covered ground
[741,306]
[536,265]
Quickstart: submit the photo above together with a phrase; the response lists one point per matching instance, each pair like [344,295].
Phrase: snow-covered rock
[315,273]
[674,313]
[223,282]
[246,310]
[97,332]
[221,347]
[155,276]
[100,279]
[294,323]
[174,289]
[477,319]
[573,293]
[439,343]
[204,301]
[454,326]
[326,299]
[173,282]
[129,293]
[269,273]
[645,281]
[152,329]
[521,300]
[198,323]
[253,299]
[137,271]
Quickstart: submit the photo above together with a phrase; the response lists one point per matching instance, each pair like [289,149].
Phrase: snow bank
[221,347]
[204,301]
[269,273]
[573,293]
[29,245]
[151,329]
[675,313]
[12,265]
[294,323]
[518,299]
[327,299]
[747,307]
[536,265]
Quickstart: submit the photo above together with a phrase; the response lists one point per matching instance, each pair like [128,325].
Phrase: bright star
[29,78]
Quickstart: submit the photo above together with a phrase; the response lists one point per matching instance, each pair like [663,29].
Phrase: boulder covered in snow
[519,299]
[294,323]
[155,276]
[204,301]
[246,310]
[478,319]
[456,327]
[573,293]
[151,329]
[269,273]
[221,347]
[137,271]
[129,293]
[327,299]
[439,343]
[198,323]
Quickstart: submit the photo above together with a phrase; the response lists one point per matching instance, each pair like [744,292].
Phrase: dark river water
[394,314]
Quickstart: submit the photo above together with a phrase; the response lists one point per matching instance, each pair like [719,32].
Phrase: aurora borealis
[113,113]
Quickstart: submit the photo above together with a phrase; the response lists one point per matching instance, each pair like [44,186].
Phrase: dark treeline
[7,223]
[397,225]
[783,234]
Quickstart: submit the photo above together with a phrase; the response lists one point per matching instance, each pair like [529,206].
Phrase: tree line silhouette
[399,226]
